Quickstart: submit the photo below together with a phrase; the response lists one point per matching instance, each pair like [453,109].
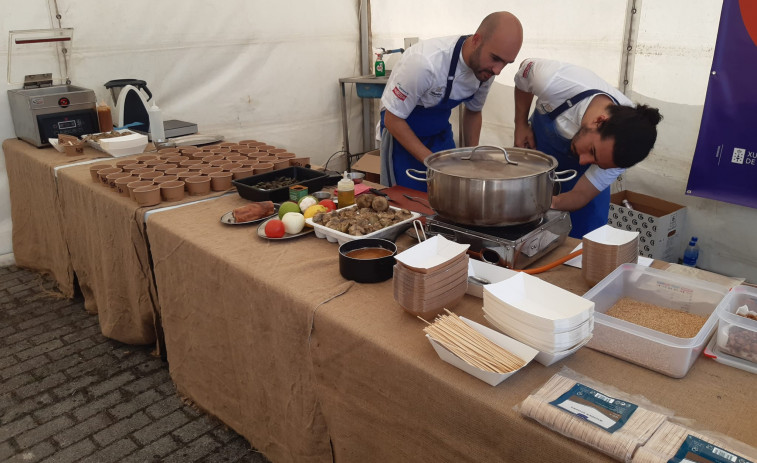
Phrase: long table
[267,336]
[38,240]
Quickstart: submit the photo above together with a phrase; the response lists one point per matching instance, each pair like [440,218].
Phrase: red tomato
[328,204]
[274,228]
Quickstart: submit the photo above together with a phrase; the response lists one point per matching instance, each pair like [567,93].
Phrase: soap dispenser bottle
[157,131]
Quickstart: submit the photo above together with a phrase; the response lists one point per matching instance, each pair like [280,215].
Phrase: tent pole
[630,40]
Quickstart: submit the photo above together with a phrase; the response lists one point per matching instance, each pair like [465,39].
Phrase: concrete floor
[68,394]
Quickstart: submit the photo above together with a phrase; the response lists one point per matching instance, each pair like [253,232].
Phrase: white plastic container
[334,236]
[669,355]
[737,335]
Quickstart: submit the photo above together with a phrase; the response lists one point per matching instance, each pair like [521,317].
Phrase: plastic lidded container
[664,353]
[737,335]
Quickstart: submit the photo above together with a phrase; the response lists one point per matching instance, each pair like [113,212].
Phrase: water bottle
[691,254]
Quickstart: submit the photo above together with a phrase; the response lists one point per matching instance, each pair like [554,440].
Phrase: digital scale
[41,110]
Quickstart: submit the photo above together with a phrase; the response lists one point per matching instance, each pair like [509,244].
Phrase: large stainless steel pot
[490,186]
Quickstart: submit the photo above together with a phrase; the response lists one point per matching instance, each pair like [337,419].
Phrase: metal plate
[228,218]
[261,232]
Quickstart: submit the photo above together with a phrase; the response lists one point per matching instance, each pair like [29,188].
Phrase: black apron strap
[453,67]
[570,102]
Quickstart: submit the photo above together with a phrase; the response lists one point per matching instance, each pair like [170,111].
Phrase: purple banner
[725,160]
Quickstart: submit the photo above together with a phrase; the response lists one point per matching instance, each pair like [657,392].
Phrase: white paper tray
[127,145]
[485,270]
[521,350]
[335,236]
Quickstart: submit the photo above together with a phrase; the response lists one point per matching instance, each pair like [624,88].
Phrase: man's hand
[524,136]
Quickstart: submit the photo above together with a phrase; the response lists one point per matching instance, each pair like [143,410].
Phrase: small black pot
[367,270]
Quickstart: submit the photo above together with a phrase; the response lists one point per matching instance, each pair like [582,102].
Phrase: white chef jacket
[553,82]
[420,78]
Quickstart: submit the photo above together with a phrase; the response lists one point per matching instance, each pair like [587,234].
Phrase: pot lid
[489,162]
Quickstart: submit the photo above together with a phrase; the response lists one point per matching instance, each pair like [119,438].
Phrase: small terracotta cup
[132,185]
[198,155]
[265,147]
[262,168]
[188,149]
[111,178]
[190,162]
[212,157]
[220,181]
[231,165]
[223,151]
[146,157]
[249,162]
[218,162]
[121,185]
[248,151]
[172,191]
[210,169]
[176,170]
[164,167]
[94,168]
[276,151]
[299,162]
[266,158]
[251,143]
[124,162]
[280,164]
[286,155]
[199,185]
[131,167]
[226,144]
[142,170]
[242,172]
[165,156]
[168,150]
[166,178]
[150,175]
[177,159]
[236,158]
[154,162]
[102,174]
[147,195]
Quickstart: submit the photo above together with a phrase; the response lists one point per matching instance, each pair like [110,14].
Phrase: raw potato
[365,200]
[380,204]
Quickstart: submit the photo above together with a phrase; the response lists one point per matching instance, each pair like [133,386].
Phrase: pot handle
[507,158]
[572,173]
[423,172]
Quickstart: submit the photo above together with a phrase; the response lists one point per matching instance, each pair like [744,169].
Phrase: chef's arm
[403,134]
[576,198]
[524,135]
[471,127]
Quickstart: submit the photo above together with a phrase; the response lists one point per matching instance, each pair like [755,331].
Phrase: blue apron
[548,140]
[431,126]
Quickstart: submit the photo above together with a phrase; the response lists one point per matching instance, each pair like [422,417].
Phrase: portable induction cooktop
[515,246]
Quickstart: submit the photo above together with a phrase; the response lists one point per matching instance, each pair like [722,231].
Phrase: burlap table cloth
[38,240]
[387,396]
[237,313]
[106,236]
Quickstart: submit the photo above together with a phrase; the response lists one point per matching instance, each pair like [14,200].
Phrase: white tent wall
[238,68]
[670,62]
[254,69]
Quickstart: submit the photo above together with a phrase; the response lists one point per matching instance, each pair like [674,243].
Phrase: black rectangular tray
[310,178]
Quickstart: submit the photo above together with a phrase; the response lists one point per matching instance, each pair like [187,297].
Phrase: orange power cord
[544,268]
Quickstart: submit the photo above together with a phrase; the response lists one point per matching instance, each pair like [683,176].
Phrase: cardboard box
[660,223]
[370,164]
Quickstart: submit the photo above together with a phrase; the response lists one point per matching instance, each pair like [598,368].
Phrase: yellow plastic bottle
[345,192]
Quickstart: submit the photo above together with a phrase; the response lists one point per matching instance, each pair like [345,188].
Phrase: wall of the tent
[254,69]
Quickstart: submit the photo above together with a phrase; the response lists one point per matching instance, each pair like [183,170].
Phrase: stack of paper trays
[605,249]
[431,276]
[554,321]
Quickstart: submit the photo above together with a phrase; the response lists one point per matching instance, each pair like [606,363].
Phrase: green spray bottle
[379,66]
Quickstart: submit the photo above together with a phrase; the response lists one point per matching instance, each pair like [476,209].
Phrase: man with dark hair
[433,77]
[587,125]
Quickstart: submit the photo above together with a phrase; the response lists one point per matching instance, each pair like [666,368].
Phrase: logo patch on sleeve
[528,69]
[398,93]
